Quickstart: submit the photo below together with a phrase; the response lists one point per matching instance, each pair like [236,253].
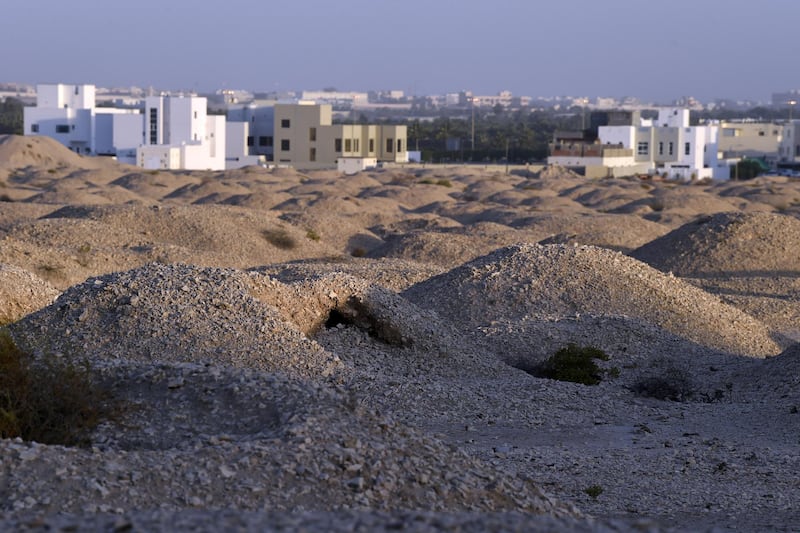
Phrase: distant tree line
[11,121]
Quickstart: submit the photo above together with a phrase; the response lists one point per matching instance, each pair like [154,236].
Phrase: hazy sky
[654,50]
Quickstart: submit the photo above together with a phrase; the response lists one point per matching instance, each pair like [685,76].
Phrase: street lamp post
[791,103]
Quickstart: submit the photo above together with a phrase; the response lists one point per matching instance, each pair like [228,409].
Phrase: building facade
[666,146]
[303,135]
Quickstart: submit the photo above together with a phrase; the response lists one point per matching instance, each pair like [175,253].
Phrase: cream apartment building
[305,137]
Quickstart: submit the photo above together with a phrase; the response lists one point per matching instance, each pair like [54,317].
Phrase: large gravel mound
[727,244]
[173,313]
[22,292]
[525,280]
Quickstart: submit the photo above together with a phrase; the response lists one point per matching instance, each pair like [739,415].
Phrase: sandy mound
[727,244]
[21,293]
[17,152]
[394,274]
[177,313]
[74,242]
[528,280]
[618,232]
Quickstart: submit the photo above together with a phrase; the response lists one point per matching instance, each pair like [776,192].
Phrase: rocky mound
[727,244]
[197,436]
[22,292]
[178,313]
[556,280]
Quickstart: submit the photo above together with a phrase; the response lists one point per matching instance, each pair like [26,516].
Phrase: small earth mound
[173,313]
[525,280]
[22,292]
[727,244]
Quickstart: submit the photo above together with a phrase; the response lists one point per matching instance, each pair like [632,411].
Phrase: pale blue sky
[655,50]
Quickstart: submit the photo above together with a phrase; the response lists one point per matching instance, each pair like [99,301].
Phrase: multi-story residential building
[303,135]
[68,114]
[178,133]
[760,140]
[667,146]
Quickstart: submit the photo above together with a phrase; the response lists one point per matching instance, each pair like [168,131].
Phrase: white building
[667,146]
[179,134]
[68,114]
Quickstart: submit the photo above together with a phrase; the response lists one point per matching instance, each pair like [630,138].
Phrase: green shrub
[594,491]
[358,252]
[279,238]
[572,363]
[312,235]
[51,401]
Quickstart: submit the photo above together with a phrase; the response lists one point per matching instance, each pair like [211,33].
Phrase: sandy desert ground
[309,350]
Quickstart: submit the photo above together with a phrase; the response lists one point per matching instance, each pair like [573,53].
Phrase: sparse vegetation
[572,363]
[358,252]
[51,401]
[668,382]
[312,235]
[279,238]
[594,491]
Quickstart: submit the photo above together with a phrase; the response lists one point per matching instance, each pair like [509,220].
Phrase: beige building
[750,139]
[305,137]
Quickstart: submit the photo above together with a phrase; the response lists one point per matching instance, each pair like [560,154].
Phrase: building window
[250,140]
[312,154]
[153,125]
[671,148]
[687,148]
[372,146]
[357,145]
[642,148]
[265,140]
[286,123]
[195,114]
[77,90]
[285,145]
[312,134]
[389,144]
[660,148]
[399,145]
[62,128]
[337,145]
[348,145]
[34,128]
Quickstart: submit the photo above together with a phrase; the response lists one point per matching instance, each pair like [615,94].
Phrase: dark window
[34,128]
[670,148]
[660,148]
[389,145]
[153,125]
[312,134]
[687,149]
[642,148]
[265,140]
[286,123]
[285,145]
[62,128]
[337,145]
[357,145]
[348,145]
[312,154]
[372,145]
[399,145]
[250,140]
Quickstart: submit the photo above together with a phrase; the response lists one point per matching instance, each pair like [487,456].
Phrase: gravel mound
[177,313]
[727,244]
[225,438]
[556,280]
[22,292]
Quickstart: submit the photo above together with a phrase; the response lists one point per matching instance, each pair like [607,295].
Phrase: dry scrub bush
[572,363]
[51,401]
